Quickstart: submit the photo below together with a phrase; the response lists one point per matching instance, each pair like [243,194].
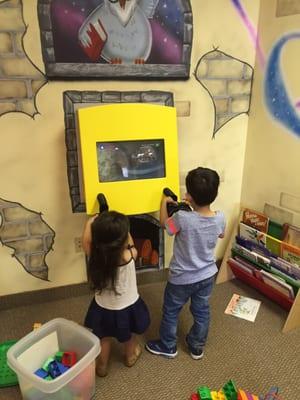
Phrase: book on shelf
[256,220]
[247,260]
[240,263]
[292,270]
[252,234]
[277,283]
[290,253]
[243,307]
[291,235]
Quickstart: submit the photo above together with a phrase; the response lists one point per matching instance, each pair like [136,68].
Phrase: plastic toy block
[62,368]
[214,395]
[204,393]
[272,393]
[243,395]
[230,390]
[59,355]
[69,358]
[41,373]
[194,396]
[48,378]
[221,395]
[47,362]
[53,369]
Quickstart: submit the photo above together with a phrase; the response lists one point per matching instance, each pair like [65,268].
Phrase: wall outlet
[78,245]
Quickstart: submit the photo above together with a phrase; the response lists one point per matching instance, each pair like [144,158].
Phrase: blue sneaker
[158,348]
[196,353]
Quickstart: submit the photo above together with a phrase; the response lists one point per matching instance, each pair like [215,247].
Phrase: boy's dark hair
[109,234]
[202,184]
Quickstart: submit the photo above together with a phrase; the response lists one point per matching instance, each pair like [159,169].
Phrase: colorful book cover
[256,220]
[291,235]
[253,234]
[241,264]
[273,245]
[290,253]
[243,307]
[278,284]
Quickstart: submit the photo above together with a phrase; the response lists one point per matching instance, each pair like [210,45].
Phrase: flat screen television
[127,160]
[129,153]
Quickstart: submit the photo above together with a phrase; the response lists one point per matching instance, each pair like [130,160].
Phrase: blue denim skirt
[119,324]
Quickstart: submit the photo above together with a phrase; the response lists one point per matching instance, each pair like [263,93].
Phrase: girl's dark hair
[202,184]
[109,234]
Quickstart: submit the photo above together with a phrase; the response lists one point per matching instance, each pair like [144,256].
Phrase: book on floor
[243,307]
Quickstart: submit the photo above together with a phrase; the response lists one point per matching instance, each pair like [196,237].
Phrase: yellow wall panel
[127,122]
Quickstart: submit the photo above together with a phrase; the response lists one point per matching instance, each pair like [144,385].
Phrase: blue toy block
[62,368]
[41,373]
[54,370]
[272,393]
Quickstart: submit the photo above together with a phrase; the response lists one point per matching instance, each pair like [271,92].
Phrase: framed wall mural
[114,39]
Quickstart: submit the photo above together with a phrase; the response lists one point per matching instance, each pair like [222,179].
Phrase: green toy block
[47,362]
[230,390]
[204,393]
[58,356]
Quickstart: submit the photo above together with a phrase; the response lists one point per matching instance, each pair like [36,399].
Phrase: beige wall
[32,151]
[272,160]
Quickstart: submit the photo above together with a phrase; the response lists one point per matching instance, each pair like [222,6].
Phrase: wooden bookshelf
[225,274]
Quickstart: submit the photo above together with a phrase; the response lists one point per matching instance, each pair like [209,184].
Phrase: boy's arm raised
[163,209]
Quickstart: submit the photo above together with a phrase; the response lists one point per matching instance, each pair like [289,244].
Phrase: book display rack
[265,255]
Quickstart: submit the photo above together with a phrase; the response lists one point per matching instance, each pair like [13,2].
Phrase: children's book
[279,284]
[250,233]
[290,253]
[243,307]
[255,219]
[291,235]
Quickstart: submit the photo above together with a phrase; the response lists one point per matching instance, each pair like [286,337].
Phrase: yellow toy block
[108,135]
[221,395]
[214,395]
[242,395]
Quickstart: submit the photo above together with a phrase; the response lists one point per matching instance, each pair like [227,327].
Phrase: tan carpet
[255,355]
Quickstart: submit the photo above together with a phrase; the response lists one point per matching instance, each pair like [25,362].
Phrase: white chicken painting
[119,31]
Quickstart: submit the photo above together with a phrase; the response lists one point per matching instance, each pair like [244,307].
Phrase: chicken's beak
[122,3]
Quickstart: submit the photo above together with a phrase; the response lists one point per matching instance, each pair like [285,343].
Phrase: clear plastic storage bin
[30,353]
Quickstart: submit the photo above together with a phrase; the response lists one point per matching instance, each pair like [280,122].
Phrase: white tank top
[126,292]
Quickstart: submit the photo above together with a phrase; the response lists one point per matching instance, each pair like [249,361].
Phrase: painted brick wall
[19,78]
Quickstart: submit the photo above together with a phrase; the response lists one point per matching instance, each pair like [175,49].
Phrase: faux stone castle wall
[229,83]
[20,80]
[30,237]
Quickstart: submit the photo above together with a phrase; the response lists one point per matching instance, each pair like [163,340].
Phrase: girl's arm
[87,236]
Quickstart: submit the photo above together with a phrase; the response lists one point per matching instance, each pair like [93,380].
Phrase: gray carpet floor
[255,355]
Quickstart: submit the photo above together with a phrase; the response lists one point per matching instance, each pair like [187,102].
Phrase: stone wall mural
[30,237]
[228,82]
[20,79]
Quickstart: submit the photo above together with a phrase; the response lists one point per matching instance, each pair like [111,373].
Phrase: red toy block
[69,358]
[194,396]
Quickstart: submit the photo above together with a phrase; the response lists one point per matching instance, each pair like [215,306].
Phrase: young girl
[117,310]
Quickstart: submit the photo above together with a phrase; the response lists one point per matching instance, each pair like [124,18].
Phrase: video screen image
[130,160]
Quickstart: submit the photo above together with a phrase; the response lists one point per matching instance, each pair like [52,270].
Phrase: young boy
[192,267]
